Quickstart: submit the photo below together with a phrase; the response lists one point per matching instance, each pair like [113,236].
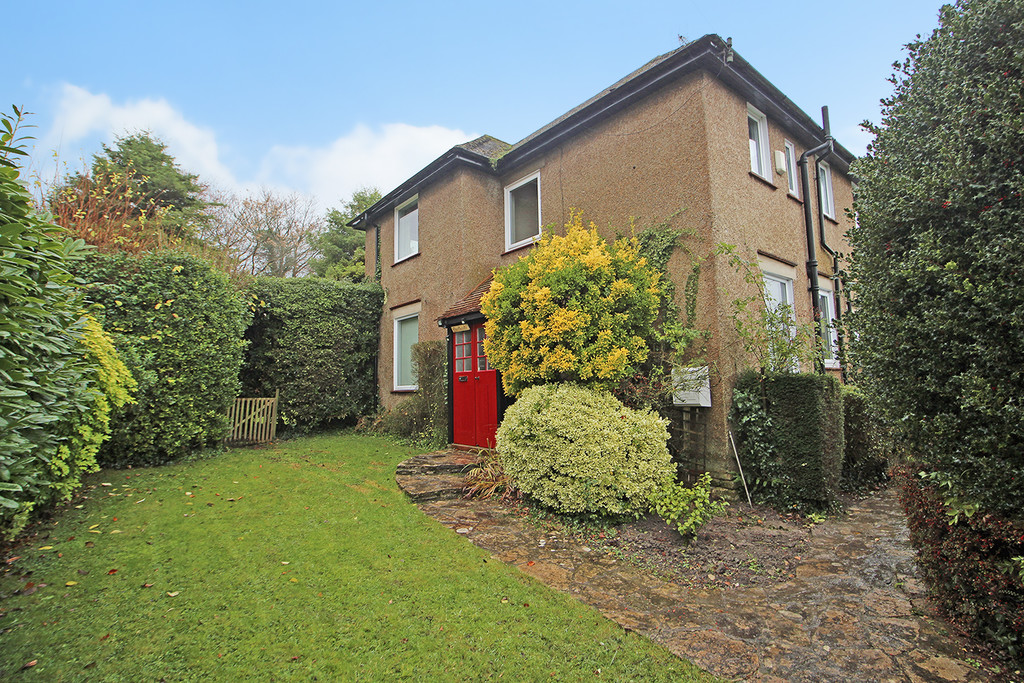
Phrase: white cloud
[381,156]
[82,115]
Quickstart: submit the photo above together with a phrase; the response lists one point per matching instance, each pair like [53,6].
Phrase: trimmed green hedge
[179,325]
[316,341]
[868,443]
[789,430]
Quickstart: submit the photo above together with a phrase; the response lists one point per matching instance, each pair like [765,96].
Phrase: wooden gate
[253,420]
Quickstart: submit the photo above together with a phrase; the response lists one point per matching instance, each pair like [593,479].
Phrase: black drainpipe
[836,280]
[812,252]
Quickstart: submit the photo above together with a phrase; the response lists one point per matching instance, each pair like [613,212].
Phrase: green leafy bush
[789,430]
[688,508]
[973,562]
[869,443]
[937,254]
[58,373]
[579,450]
[316,341]
[423,416]
[179,326]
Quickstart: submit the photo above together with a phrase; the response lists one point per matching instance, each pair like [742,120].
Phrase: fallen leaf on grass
[71,583]
[90,544]
[94,526]
[147,585]
[293,580]
[10,560]
[173,594]
[504,600]
[106,484]
[283,562]
[104,637]
[112,571]
[29,588]
[47,547]
[29,665]
[530,563]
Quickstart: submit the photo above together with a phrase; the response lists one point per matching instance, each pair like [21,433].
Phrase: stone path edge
[855,610]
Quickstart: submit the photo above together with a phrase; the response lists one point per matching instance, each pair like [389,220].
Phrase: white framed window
[828,205]
[757,128]
[791,172]
[827,305]
[407,229]
[407,333]
[522,211]
[778,291]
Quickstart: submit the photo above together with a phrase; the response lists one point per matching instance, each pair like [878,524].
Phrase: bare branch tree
[268,233]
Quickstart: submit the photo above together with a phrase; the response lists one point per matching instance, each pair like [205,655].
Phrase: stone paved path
[854,611]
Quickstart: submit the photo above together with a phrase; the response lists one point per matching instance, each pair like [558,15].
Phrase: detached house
[696,129]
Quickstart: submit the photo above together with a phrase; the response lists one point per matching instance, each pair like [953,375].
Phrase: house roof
[468,304]
[710,53]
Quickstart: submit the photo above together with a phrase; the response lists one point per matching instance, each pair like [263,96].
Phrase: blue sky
[323,98]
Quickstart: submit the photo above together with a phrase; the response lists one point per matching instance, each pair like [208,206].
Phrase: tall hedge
[938,253]
[59,374]
[789,430]
[179,325]
[316,341]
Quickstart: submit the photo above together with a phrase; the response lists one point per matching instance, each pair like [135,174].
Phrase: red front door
[475,390]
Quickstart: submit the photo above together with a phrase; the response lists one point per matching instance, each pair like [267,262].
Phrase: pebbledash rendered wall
[683,147]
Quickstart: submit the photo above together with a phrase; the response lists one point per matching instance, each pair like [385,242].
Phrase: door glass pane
[462,352]
[481,362]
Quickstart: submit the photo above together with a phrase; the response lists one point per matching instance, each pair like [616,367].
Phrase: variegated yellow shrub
[579,450]
[574,309]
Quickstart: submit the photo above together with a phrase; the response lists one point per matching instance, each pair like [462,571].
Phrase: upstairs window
[522,211]
[828,205]
[757,126]
[407,230]
[794,182]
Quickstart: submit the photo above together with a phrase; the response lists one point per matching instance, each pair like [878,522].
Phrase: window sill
[404,391]
[762,179]
[407,258]
[520,247]
[830,219]
[795,198]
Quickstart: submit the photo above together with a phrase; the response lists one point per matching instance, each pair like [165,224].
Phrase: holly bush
[575,309]
[178,324]
[578,450]
[938,252]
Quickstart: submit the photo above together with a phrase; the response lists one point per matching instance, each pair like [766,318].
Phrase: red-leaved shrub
[969,564]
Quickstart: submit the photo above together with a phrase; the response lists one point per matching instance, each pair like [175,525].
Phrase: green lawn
[303,561]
